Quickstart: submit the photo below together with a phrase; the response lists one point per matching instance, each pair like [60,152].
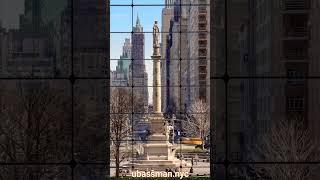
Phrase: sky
[121,21]
[8,18]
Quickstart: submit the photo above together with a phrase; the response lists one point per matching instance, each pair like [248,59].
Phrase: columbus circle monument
[158,153]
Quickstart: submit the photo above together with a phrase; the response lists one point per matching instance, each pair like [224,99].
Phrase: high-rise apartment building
[188,24]
[185,61]
[199,49]
[278,42]
[174,64]
[177,61]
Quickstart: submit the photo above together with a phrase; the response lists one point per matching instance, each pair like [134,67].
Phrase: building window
[295,77]
[245,58]
[235,156]
[295,104]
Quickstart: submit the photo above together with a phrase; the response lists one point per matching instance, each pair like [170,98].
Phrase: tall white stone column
[156,70]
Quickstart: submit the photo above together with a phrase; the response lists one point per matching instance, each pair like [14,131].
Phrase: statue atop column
[156,35]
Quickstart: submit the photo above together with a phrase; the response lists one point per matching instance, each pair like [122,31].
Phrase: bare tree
[286,141]
[198,122]
[120,108]
[33,128]
[90,128]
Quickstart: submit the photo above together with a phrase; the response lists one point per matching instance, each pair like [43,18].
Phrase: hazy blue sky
[121,21]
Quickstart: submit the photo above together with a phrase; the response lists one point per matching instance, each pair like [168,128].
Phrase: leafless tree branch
[286,141]
[198,122]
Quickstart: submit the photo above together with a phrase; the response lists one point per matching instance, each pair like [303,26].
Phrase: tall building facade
[279,42]
[177,59]
[126,54]
[90,47]
[220,65]
[120,76]
[314,70]
[185,90]
[174,63]
[25,56]
[199,50]
[188,24]
[260,56]
[2,49]
[126,49]
[167,14]
[138,77]
[33,48]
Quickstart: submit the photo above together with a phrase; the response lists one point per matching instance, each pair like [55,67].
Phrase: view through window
[223,89]
[160,87]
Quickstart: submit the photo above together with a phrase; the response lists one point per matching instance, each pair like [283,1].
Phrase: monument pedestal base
[159,154]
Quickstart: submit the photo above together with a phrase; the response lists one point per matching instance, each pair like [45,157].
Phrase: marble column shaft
[156,84]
